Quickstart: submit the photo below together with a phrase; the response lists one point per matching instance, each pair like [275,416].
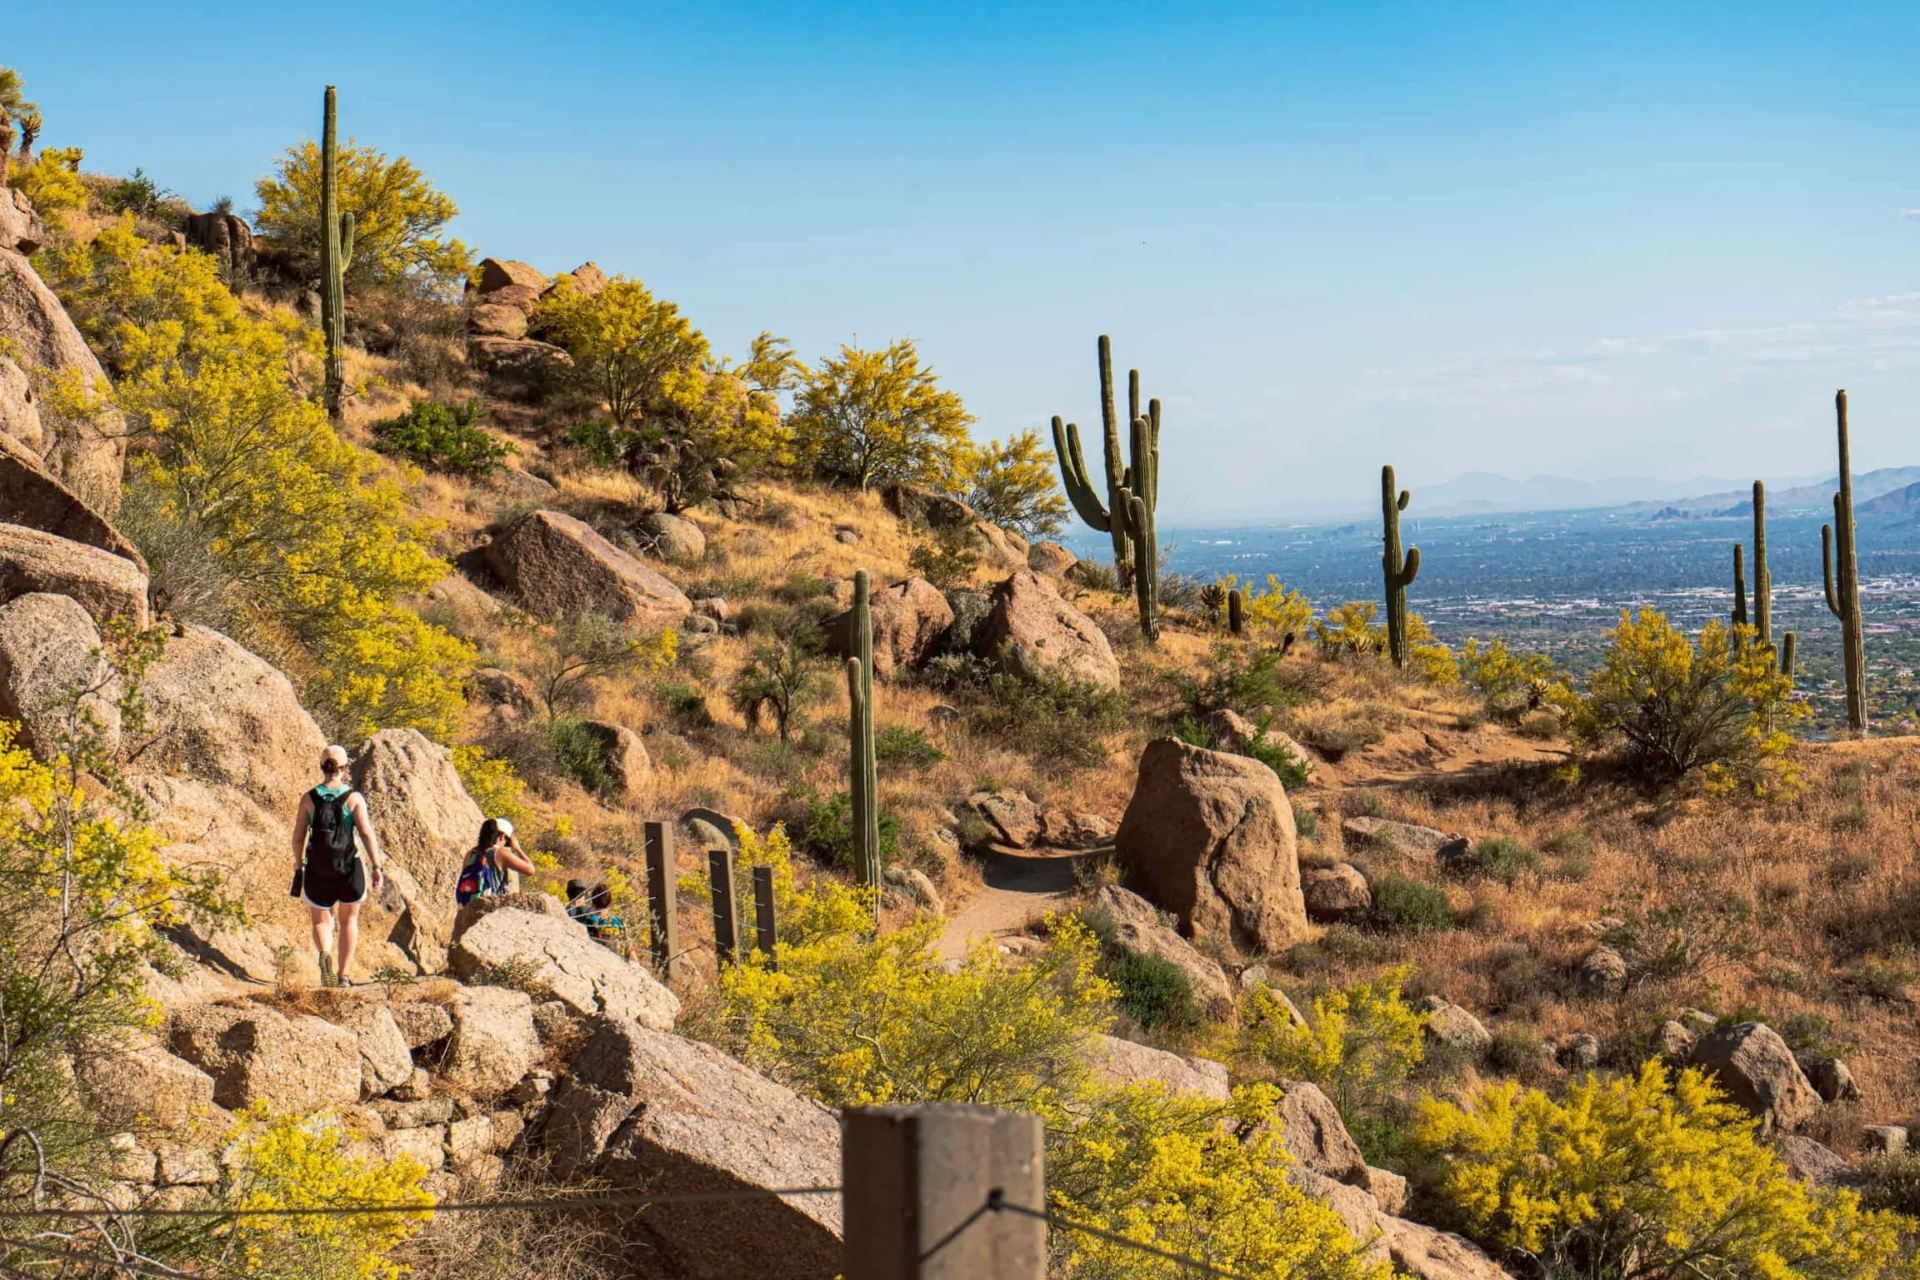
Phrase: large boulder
[1012,816]
[910,623]
[1051,559]
[112,587]
[49,653]
[1404,837]
[255,1054]
[499,273]
[20,424]
[84,454]
[1137,930]
[1336,893]
[493,320]
[586,278]
[216,713]
[1757,1070]
[558,564]
[1123,1062]
[1427,1253]
[518,367]
[423,816]
[650,1111]
[226,237]
[386,1060]
[1209,836]
[1453,1028]
[34,499]
[518,298]
[917,504]
[1036,634]
[493,1044]
[675,539]
[143,1084]
[20,226]
[560,957]
[624,754]
[1315,1136]
[1816,1165]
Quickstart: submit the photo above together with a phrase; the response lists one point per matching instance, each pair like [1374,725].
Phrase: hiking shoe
[326,971]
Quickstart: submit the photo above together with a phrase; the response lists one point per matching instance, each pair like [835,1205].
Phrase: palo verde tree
[1013,487]
[875,417]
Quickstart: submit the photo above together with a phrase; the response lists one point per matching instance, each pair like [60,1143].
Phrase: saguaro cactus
[1236,612]
[1111,518]
[1137,501]
[1400,569]
[336,250]
[1763,583]
[1840,570]
[863,774]
[1739,585]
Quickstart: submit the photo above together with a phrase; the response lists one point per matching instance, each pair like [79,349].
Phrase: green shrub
[827,831]
[138,195]
[949,560]
[1306,822]
[1236,677]
[1505,859]
[1195,733]
[1057,723]
[685,702]
[443,438]
[580,754]
[1288,765]
[908,748]
[1154,991]
[604,443]
[1403,904]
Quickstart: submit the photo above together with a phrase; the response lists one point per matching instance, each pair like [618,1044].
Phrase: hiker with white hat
[330,875]
[493,855]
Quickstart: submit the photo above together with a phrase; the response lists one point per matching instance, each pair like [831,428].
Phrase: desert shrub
[896,744]
[1193,1177]
[1504,858]
[949,560]
[320,550]
[1521,1053]
[873,417]
[1235,677]
[781,678]
[1401,904]
[1349,630]
[827,833]
[588,648]
[1691,931]
[1718,706]
[1057,723]
[1306,822]
[1667,1180]
[296,1162]
[579,753]
[1513,683]
[399,218]
[1279,611]
[139,195]
[52,181]
[442,437]
[1012,485]
[1293,769]
[1360,1045]
[1154,992]
[602,442]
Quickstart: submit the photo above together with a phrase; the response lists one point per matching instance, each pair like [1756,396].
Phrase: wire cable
[999,1205]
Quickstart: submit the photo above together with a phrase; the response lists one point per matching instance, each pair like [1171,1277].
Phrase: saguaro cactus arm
[1826,564]
[1074,477]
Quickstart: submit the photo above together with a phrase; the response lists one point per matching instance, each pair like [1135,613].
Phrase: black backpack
[331,832]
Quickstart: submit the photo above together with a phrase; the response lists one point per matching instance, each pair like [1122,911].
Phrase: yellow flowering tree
[1645,1177]
[1513,682]
[399,217]
[313,541]
[872,417]
[52,182]
[293,1162]
[1199,1178]
[1718,706]
[1361,1044]
[1277,611]
[624,342]
[1013,486]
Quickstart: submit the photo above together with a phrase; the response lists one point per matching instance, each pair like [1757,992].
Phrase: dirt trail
[1020,886]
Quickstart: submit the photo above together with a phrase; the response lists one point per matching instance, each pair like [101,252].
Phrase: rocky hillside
[1250,829]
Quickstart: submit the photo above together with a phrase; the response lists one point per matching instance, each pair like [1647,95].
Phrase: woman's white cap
[505,825]
[336,754]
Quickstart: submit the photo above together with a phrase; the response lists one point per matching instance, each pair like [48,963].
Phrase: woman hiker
[330,875]
[495,853]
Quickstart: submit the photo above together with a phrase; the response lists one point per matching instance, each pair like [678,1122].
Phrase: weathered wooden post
[920,1184]
[663,916]
[726,908]
[764,932]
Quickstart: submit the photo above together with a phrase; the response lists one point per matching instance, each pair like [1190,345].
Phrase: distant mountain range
[1890,490]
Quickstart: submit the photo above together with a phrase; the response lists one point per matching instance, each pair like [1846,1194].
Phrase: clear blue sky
[1636,239]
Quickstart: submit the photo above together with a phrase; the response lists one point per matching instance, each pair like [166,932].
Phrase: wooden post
[662,897]
[764,932]
[726,908]
[917,1182]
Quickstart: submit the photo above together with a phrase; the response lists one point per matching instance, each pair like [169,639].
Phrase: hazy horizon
[1646,241]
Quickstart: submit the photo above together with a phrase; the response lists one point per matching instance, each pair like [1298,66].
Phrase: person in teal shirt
[331,833]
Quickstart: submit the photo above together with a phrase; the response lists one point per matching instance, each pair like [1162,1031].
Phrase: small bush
[1057,723]
[1505,859]
[443,438]
[1360,1044]
[1238,678]
[604,444]
[1400,904]
[685,702]
[1521,1053]
[580,754]
[827,831]
[138,195]
[949,560]
[1306,822]
[1293,769]
[908,748]
[1154,992]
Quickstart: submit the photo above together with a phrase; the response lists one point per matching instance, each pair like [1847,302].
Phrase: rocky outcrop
[255,1054]
[226,237]
[1602,972]
[625,756]
[1831,1078]
[86,456]
[518,367]
[426,823]
[1051,559]
[1402,836]
[910,624]
[1010,815]
[646,1110]
[1209,836]
[1138,931]
[495,320]
[1124,1063]
[1427,1253]
[558,956]
[49,653]
[19,414]
[559,565]
[1037,635]
[218,714]
[1809,1162]
[1336,893]
[110,587]
[587,278]
[498,273]
[386,1060]
[144,1085]
[493,1043]
[32,498]
[1757,1071]
[20,226]
[1312,1131]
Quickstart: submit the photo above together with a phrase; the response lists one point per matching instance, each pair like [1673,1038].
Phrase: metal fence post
[662,897]
[917,1184]
[726,908]
[765,932]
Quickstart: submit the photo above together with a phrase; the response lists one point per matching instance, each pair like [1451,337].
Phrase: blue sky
[1622,239]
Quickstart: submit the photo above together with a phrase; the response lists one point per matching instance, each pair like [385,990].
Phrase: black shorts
[324,887]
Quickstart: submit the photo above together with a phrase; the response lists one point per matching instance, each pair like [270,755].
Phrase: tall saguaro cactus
[1400,570]
[1762,584]
[1739,585]
[1138,499]
[1840,570]
[336,250]
[863,774]
[1111,517]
